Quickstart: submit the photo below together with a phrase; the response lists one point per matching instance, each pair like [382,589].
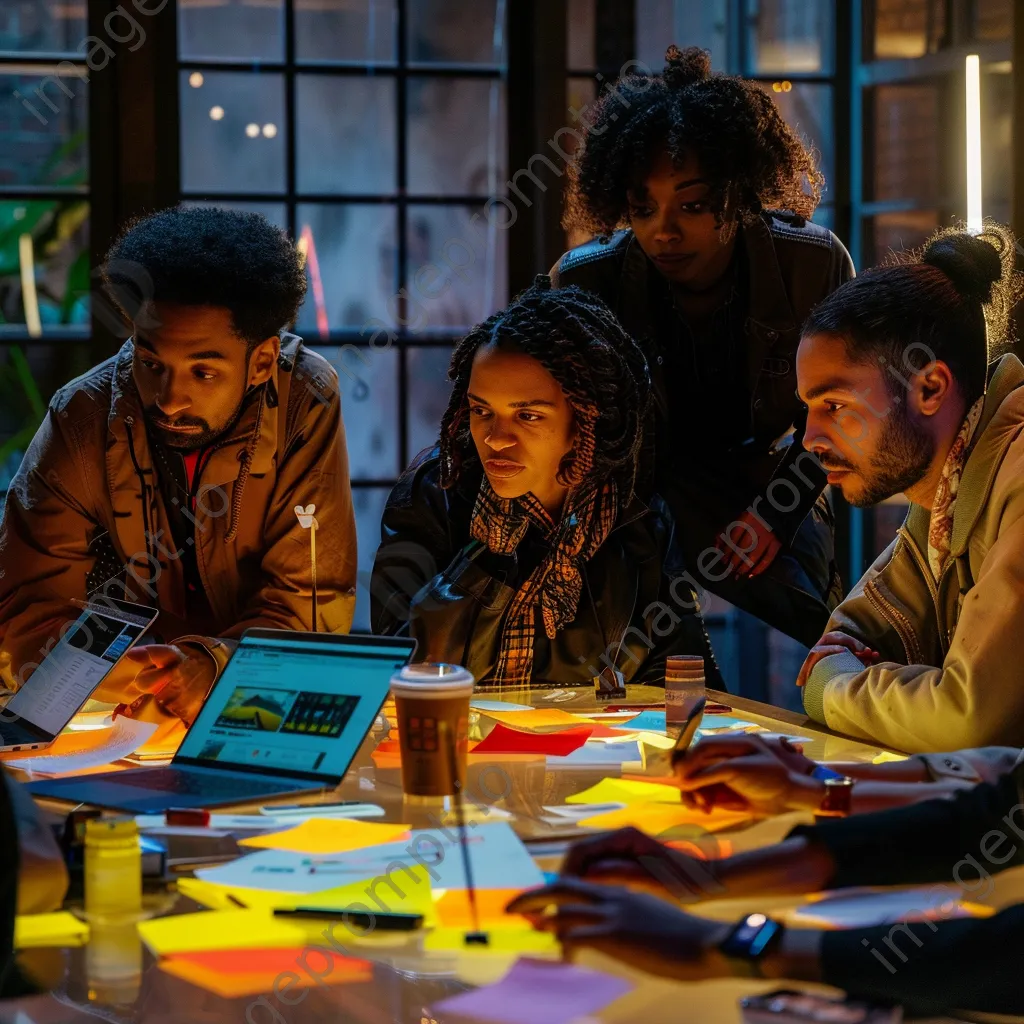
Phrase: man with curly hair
[699,196]
[168,475]
[517,547]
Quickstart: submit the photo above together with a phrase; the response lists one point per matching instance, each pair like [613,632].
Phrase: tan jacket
[951,672]
[85,507]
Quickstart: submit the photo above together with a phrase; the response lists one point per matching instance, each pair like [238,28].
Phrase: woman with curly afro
[518,547]
[699,196]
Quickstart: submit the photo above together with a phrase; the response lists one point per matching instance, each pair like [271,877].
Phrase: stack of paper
[86,752]
[499,861]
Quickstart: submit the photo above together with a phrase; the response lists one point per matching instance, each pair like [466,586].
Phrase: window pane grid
[44,187]
[431,83]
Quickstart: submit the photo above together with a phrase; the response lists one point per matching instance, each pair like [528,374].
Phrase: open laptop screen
[87,650]
[294,706]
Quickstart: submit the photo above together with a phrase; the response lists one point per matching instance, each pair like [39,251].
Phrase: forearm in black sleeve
[971,964]
[934,841]
[802,471]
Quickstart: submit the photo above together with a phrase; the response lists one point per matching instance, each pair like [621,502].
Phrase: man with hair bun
[699,196]
[904,397]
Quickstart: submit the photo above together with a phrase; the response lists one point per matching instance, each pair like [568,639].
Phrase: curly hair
[952,299]
[208,256]
[753,160]
[599,367]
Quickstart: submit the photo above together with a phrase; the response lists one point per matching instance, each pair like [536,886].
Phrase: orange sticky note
[536,718]
[231,973]
[329,835]
[454,911]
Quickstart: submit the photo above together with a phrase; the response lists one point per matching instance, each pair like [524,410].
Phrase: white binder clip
[308,522]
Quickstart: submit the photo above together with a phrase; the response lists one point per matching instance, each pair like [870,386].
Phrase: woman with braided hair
[518,547]
[699,197]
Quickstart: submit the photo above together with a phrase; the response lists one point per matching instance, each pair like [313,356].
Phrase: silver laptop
[65,679]
[287,715]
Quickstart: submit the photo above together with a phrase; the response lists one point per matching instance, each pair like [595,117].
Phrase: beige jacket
[85,508]
[951,672]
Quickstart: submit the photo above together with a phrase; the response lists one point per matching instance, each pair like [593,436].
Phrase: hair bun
[971,262]
[684,67]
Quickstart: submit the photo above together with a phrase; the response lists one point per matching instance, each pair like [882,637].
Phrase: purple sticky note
[538,992]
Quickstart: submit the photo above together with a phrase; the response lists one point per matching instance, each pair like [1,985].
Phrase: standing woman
[699,195]
[518,547]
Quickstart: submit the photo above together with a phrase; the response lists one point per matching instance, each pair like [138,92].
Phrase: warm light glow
[196,79]
[974,216]
[269,131]
[252,130]
[29,299]
[756,920]
[216,113]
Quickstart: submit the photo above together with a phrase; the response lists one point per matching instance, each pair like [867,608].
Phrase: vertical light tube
[973,78]
[29,298]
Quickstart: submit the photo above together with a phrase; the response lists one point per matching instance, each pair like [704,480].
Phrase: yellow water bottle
[113,867]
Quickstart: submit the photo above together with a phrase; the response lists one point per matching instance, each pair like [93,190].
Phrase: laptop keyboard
[163,780]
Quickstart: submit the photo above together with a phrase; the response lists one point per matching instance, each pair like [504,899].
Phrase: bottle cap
[106,829]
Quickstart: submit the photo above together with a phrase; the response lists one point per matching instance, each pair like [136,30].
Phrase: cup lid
[438,676]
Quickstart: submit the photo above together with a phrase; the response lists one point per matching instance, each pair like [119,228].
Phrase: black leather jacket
[789,266]
[431,579]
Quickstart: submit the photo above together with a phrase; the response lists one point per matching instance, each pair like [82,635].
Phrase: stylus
[344,808]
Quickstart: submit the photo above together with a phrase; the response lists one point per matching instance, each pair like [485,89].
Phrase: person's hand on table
[635,928]
[834,643]
[632,858]
[742,560]
[749,773]
[177,679]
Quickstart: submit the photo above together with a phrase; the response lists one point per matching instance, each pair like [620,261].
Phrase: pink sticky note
[503,740]
[538,992]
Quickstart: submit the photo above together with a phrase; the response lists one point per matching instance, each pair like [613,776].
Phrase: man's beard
[902,460]
[189,441]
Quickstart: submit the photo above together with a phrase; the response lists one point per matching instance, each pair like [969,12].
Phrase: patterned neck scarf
[555,586]
[940,528]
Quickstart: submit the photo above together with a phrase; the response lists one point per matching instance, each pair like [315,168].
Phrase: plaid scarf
[555,586]
[940,528]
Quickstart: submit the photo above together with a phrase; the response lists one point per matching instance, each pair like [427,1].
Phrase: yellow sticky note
[328,835]
[626,791]
[654,818]
[32,931]
[887,756]
[501,940]
[219,897]
[535,718]
[225,929]
[414,897]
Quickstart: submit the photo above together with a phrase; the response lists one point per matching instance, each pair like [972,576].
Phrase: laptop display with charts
[287,715]
[67,676]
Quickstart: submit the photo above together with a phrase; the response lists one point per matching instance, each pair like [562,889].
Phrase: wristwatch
[838,799]
[751,939]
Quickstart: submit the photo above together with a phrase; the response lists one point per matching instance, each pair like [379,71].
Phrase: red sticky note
[503,740]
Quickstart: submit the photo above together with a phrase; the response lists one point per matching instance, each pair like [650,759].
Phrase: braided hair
[752,159]
[598,366]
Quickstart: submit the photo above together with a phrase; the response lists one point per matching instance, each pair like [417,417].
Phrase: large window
[374,132]
[44,212]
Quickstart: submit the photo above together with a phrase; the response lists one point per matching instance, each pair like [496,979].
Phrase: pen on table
[474,937]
